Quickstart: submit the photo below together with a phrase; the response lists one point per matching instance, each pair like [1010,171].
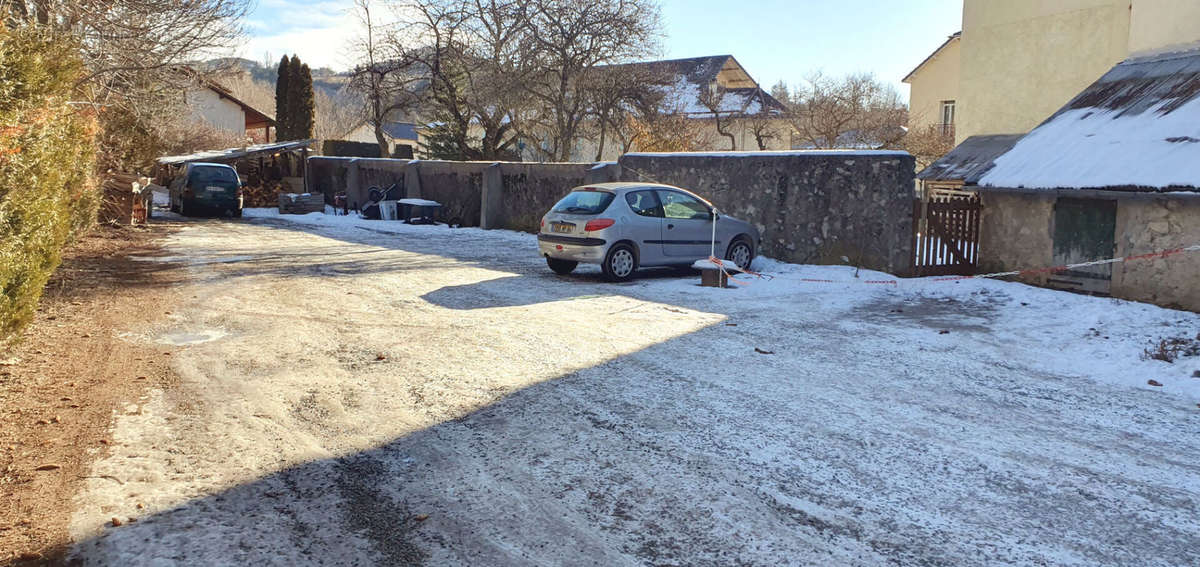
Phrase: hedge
[47,190]
[346,148]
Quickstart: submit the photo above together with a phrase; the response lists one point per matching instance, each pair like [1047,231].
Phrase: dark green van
[206,188]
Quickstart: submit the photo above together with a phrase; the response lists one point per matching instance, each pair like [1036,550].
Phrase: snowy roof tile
[1137,128]
[693,74]
[970,159]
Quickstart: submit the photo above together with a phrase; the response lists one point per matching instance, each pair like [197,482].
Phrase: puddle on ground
[186,338]
[974,313]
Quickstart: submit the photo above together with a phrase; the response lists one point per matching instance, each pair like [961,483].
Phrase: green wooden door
[1084,230]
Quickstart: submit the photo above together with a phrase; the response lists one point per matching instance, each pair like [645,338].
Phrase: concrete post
[412,180]
[354,191]
[492,196]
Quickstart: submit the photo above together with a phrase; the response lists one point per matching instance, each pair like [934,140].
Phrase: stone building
[1114,173]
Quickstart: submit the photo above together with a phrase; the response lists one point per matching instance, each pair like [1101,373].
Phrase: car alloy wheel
[740,254]
[620,262]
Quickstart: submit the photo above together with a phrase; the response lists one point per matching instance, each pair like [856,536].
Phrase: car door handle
[670,226]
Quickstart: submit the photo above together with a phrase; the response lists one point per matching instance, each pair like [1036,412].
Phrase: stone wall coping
[775,153]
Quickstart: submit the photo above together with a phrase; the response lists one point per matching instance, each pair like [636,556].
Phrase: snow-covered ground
[1092,337]
[375,392]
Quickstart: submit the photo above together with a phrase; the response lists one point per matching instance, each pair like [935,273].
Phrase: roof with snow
[970,159]
[394,130]
[222,156]
[400,130]
[688,78]
[1137,128]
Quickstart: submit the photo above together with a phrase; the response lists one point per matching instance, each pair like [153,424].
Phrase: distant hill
[324,79]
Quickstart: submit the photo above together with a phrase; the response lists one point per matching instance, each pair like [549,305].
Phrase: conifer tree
[293,97]
[281,100]
[303,108]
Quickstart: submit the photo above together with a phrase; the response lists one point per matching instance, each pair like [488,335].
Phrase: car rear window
[201,176]
[587,202]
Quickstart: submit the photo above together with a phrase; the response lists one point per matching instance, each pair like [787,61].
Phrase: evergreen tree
[780,92]
[303,108]
[281,100]
[294,87]
[294,79]
[446,140]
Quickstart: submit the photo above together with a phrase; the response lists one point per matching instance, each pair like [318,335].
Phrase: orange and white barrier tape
[721,265]
[1053,269]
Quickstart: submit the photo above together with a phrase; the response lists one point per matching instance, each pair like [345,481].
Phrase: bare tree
[385,75]
[855,111]
[132,48]
[335,113]
[928,144]
[616,94]
[564,42]
[765,124]
[470,51]
[722,108]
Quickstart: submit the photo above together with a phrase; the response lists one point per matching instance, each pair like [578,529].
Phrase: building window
[947,124]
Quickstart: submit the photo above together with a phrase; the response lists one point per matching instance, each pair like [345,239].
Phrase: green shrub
[47,190]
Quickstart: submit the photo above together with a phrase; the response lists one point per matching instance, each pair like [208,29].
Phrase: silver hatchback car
[624,226]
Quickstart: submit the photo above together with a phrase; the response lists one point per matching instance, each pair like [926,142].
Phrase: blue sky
[774,39]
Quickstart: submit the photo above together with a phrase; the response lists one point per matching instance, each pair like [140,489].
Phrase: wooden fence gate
[946,233]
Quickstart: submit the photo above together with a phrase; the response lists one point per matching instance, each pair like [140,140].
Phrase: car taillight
[598,224]
[543,222]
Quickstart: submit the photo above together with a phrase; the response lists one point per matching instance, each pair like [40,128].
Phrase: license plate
[214,189]
[561,227]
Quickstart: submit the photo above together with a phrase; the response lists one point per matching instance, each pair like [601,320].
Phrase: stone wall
[328,175]
[810,207]
[355,176]
[1017,232]
[1151,224]
[528,190]
[814,207]
[458,186]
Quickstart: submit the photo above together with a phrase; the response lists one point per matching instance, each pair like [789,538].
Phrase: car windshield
[585,202]
[221,176]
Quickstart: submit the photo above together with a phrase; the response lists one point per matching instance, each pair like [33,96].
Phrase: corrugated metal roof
[970,159]
[221,156]
[1137,128]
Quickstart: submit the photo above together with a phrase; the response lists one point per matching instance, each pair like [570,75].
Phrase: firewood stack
[293,204]
[126,198]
